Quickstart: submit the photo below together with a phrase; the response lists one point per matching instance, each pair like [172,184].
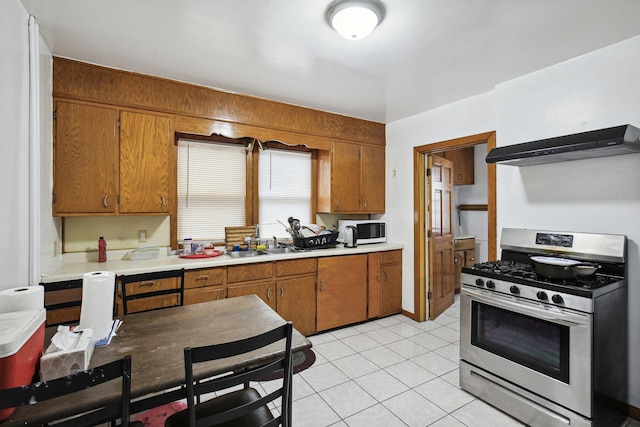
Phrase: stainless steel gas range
[549,352]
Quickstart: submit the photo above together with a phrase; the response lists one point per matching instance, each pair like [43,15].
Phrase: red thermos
[102,249]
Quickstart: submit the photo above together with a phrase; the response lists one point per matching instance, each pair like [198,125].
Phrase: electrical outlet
[142,236]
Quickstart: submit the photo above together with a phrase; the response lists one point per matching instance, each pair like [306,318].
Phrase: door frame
[420,217]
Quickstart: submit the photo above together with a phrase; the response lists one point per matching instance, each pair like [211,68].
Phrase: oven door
[542,348]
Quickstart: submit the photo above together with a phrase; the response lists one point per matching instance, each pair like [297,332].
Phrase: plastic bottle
[186,246]
[102,249]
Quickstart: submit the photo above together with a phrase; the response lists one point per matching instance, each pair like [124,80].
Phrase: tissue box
[21,344]
[56,363]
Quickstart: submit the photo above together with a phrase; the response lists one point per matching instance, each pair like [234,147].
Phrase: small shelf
[473,207]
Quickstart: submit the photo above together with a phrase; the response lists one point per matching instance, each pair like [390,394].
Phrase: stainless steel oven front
[543,346]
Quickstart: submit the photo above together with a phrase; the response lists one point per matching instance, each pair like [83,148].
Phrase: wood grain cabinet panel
[373,286]
[264,290]
[145,163]
[85,159]
[342,291]
[351,178]
[385,283]
[297,266]
[248,272]
[204,277]
[463,166]
[62,301]
[297,302]
[204,294]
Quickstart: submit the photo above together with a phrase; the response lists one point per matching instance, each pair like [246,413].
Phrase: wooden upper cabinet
[145,163]
[351,178]
[85,159]
[463,167]
[101,168]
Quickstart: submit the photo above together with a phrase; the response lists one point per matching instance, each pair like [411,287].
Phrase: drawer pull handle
[281,292]
[149,283]
[105,201]
[163,202]
[203,277]
[320,285]
[268,293]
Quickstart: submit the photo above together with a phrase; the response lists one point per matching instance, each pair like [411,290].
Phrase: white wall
[602,195]
[14,148]
[468,117]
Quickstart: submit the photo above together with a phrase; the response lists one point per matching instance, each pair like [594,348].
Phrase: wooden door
[373,287]
[265,291]
[372,179]
[345,177]
[440,232]
[342,291]
[145,162]
[86,160]
[390,289]
[297,302]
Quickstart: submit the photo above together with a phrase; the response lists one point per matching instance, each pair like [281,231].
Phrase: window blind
[284,190]
[211,189]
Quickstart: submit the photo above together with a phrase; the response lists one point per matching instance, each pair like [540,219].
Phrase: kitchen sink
[245,254]
[282,250]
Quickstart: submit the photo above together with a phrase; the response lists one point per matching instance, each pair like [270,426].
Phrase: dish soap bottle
[102,249]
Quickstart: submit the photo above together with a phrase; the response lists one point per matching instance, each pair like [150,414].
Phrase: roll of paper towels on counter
[21,299]
[96,311]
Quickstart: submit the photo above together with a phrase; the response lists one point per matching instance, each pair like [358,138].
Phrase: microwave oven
[369,231]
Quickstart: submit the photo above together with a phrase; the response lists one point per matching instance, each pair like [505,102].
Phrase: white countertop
[76,270]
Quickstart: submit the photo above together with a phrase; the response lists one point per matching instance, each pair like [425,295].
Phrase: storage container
[21,344]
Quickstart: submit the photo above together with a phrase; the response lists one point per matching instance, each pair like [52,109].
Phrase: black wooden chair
[37,392]
[243,407]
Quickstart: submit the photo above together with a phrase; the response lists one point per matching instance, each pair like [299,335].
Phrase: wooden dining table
[156,341]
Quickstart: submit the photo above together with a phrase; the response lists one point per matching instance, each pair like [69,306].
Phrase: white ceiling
[426,53]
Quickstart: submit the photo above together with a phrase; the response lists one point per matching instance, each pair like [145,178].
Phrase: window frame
[252,205]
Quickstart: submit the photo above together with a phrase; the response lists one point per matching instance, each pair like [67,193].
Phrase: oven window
[537,344]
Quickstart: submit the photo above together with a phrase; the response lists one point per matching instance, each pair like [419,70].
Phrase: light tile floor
[390,372]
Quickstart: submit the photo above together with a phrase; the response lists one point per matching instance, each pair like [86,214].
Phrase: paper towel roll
[96,311]
[23,298]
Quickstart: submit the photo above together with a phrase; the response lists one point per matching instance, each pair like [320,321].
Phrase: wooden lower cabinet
[373,288]
[265,290]
[206,294]
[464,255]
[62,301]
[144,292]
[391,283]
[342,291]
[297,302]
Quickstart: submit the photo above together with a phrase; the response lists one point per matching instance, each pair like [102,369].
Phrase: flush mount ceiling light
[354,19]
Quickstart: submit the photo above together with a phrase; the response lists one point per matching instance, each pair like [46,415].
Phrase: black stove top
[523,273]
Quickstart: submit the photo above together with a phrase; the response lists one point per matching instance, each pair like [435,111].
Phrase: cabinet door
[458,263]
[373,288]
[345,177]
[145,162]
[469,257]
[463,167]
[264,290]
[342,291]
[297,302]
[210,293]
[390,289]
[85,160]
[204,277]
[373,179]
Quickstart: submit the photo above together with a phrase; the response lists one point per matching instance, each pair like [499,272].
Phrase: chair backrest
[197,387]
[37,392]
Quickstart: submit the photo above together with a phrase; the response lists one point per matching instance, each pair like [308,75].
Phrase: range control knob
[479,282]
[557,299]
[514,290]
[491,284]
[542,296]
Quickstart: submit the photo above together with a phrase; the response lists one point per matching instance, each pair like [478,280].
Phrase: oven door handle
[523,307]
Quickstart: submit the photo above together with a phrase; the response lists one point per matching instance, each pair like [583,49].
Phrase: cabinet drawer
[152,285]
[391,257]
[211,293]
[62,296]
[63,315]
[248,272]
[470,257]
[464,244]
[204,277]
[295,266]
[151,303]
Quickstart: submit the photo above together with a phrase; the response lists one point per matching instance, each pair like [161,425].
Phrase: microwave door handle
[566,319]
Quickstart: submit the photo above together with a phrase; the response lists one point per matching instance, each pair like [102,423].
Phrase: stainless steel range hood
[613,141]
